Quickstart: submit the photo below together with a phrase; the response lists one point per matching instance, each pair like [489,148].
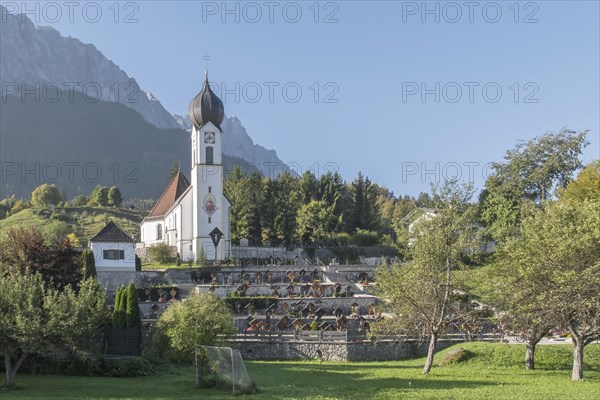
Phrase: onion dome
[206,107]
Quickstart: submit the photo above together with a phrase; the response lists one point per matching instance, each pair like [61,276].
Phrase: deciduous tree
[37,319]
[24,251]
[45,195]
[424,294]
[115,199]
[199,320]
[315,221]
[531,173]
[99,197]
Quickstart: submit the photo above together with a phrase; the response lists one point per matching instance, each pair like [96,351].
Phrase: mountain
[237,143]
[40,55]
[77,145]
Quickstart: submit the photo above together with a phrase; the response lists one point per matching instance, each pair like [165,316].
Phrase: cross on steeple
[206,59]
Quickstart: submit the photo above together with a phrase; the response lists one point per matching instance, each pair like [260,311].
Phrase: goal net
[227,367]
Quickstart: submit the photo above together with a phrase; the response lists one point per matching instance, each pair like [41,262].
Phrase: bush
[55,232]
[365,238]
[343,239]
[78,201]
[132,367]
[160,253]
[73,365]
[455,356]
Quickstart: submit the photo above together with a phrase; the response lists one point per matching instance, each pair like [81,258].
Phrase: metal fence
[347,336]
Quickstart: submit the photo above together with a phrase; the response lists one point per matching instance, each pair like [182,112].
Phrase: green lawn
[494,372]
[85,221]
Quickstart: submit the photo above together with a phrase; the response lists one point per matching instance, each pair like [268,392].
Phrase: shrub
[18,206]
[343,239]
[78,201]
[55,232]
[365,238]
[455,356]
[160,253]
[132,367]
[74,240]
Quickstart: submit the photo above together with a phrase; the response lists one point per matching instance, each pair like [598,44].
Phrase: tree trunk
[203,372]
[10,376]
[577,373]
[530,355]
[430,352]
[11,370]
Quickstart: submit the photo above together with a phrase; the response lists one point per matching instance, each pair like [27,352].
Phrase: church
[193,217]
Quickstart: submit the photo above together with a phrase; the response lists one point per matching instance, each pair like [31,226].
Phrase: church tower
[210,210]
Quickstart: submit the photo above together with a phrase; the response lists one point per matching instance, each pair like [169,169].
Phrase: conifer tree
[132,317]
[88,265]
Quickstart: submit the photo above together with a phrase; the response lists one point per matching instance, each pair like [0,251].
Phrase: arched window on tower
[158,232]
[209,154]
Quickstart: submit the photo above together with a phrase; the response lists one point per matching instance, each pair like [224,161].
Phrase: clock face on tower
[209,137]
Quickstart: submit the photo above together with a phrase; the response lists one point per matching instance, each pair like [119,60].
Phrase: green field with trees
[493,371]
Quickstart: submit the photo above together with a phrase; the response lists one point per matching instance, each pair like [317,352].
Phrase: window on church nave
[209,154]
[158,232]
[113,254]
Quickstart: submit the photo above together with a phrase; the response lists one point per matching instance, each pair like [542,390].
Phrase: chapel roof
[174,190]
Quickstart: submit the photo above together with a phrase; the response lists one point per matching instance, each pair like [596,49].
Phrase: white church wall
[185,225]
[149,230]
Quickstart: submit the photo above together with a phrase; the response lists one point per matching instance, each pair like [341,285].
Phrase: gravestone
[283,323]
[337,313]
[341,323]
[355,309]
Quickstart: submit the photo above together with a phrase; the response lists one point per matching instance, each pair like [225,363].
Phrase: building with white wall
[114,250]
[194,217]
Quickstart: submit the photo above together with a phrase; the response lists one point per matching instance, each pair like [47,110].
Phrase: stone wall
[360,351]
[112,280]
[338,273]
[244,252]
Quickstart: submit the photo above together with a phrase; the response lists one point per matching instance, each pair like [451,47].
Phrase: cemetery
[284,312]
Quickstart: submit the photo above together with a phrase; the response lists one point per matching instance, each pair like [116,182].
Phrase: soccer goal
[227,367]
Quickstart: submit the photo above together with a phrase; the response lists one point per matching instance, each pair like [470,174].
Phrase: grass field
[85,221]
[494,372]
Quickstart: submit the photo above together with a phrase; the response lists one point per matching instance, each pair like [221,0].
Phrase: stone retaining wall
[359,351]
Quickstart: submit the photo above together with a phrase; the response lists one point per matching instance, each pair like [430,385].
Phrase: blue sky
[371,62]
